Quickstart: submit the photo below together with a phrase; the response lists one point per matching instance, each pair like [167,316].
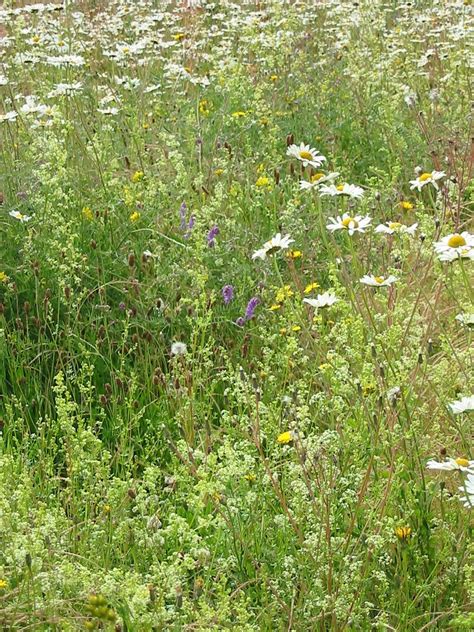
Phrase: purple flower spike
[251,306]
[211,235]
[182,215]
[227,294]
[192,219]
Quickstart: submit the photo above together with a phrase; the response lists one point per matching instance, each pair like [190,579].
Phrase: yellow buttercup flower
[239,114]
[294,254]
[407,206]
[3,277]
[3,584]
[263,181]
[135,216]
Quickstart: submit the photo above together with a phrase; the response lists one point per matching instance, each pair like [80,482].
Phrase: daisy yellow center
[394,225]
[425,176]
[340,187]
[317,176]
[462,462]
[273,250]
[456,241]
[306,155]
[349,221]
[379,279]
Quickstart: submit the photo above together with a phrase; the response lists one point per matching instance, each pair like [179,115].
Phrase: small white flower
[9,116]
[322,300]
[465,404]
[356,224]
[455,246]
[148,254]
[316,180]
[466,319]
[393,393]
[378,281]
[178,348]
[274,245]
[389,228]
[351,190]
[468,489]
[464,465]
[306,154]
[19,216]
[430,177]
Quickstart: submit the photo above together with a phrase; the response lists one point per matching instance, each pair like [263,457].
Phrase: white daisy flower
[463,465]
[466,319]
[322,300]
[465,404]
[274,245]
[351,190]
[178,348]
[468,489]
[430,177]
[356,224]
[455,246]
[378,281]
[9,116]
[389,228]
[308,155]
[19,216]
[316,180]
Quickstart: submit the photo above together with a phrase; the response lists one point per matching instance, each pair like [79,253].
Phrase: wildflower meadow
[236,315]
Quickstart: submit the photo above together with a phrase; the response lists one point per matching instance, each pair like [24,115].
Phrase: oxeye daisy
[274,245]
[306,154]
[356,224]
[20,216]
[317,180]
[350,190]
[468,489]
[428,177]
[463,405]
[322,300]
[455,246]
[461,464]
[390,228]
[378,281]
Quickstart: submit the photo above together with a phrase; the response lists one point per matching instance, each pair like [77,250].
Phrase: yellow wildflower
[406,206]
[309,288]
[295,328]
[137,176]
[238,114]
[3,584]
[285,437]
[275,306]
[3,277]
[274,78]
[403,533]
[283,293]
[135,216]
[219,172]
[87,213]
[294,254]
[263,181]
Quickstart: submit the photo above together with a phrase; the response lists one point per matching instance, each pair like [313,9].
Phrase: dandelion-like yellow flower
[285,437]
[296,328]
[309,288]
[407,206]
[3,277]
[3,584]
[238,114]
[294,254]
[135,216]
[403,533]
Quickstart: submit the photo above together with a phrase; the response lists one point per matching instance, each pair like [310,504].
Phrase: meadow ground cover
[236,315]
